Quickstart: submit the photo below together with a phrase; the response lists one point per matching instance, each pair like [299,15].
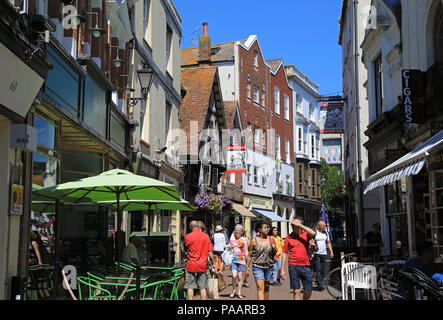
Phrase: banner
[413,95]
[331,117]
[236,160]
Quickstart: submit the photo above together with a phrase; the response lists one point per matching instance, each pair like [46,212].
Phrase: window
[248,89]
[313,183]
[168,48]
[95,106]
[277,146]
[300,139]
[146,6]
[256,95]
[263,102]
[255,175]
[300,178]
[255,59]
[263,179]
[277,100]
[232,178]
[317,148]
[396,207]
[167,121]
[288,185]
[241,64]
[249,174]
[278,182]
[378,76]
[288,151]
[165,218]
[312,112]
[256,137]
[287,108]
[249,135]
[298,103]
[312,146]
[263,139]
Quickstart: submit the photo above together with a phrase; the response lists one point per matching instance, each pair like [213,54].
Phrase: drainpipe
[357,106]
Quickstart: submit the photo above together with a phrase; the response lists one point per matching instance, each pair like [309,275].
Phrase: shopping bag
[227,257]
[213,288]
[221,283]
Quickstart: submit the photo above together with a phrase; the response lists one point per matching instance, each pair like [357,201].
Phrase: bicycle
[334,281]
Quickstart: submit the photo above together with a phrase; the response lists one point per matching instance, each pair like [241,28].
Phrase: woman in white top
[321,255]
[219,240]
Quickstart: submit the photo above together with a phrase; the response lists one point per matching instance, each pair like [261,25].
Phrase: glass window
[95,106]
[277,146]
[298,102]
[249,174]
[312,112]
[263,139]
[256,95]
[168,48]
[288,151]
[256,59]
[300,139]
[118,130]
[62,83]
[263,179]
[255,175]
[256,136]
[287,108]
[263,103]
[146,6]
[248,89]
[44,170]
[277,100]
[378,72]
[165,218]
[45,132]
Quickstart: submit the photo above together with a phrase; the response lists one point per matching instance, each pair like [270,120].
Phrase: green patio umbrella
[40,203]
[149,205]
[114,185]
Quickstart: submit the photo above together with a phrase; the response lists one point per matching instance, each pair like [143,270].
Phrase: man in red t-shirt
[198,247]
[297,245]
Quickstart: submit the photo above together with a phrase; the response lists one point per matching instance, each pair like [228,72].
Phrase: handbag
[227,257]
[274,251]
[221,283]
[213,288]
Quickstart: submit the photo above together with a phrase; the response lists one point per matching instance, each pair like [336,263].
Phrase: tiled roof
[230,107]
[220,52]
[198,83]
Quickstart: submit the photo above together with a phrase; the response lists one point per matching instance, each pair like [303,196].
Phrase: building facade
[361,210]
[156,29]
[402,56]
[307,145]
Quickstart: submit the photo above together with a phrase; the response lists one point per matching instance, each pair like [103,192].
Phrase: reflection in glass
[45,132]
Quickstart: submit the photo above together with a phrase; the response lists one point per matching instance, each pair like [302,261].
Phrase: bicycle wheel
[333,283]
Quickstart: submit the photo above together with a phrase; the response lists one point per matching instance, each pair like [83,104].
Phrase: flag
[324,217]
[201,180]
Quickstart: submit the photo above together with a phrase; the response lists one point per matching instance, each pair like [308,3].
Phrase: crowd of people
[268,254]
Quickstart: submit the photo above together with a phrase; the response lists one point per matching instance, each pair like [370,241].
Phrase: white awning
[409,164]
[243,211]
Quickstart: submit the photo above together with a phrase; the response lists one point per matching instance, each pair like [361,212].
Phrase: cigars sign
[413,95]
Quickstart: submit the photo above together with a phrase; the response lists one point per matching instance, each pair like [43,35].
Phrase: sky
[302,32]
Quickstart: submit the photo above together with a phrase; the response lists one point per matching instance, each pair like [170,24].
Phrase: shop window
[63,84]
[95,106]
[436,190]
[396,213]
[118,130]
[45,132]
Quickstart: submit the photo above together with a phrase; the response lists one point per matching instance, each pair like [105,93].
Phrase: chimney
[204,56]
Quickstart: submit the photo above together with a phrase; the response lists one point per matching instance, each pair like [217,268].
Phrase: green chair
[90,289]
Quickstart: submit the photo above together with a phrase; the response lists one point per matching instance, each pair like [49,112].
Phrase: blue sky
[302,32]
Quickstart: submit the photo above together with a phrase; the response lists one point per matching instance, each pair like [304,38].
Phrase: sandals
[240,296]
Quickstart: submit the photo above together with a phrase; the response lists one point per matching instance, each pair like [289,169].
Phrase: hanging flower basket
[212,202]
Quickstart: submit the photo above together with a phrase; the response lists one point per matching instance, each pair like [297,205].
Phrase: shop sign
[394,154]
[413,95]
[16,203]
[235,194]
[147,169]
[331,117]
[236,159]
[257,202]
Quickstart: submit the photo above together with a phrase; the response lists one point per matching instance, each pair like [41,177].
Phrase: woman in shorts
[238,265]
[261,252]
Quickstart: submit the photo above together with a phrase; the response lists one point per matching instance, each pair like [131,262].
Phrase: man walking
[297,246]
[321,255]
[198,247]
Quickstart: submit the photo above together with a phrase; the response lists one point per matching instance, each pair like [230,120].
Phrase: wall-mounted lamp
[117,62]
[96,32]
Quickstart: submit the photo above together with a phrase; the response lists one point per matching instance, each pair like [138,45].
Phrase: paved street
[277,293]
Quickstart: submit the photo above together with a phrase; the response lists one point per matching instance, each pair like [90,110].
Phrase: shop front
[262,208]
[284,208]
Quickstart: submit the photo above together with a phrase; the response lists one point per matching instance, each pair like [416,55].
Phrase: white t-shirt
[219,241]
[321,238]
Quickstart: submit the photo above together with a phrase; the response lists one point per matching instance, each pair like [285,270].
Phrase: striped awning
[243,211]
[269,214]
[409,164]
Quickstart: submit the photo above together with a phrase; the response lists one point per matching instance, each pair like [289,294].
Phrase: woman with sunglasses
[261,253]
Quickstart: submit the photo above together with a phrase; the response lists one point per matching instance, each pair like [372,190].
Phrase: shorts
[263,274]
[303,273]
[218,253]
[238,267]
[196,280]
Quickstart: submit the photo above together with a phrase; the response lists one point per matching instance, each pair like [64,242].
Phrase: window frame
[286,106]
[277,100]
[378,85]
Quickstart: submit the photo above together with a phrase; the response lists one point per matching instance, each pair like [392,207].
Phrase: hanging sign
[331,117]
[16,203]
[236,159]
[413,95]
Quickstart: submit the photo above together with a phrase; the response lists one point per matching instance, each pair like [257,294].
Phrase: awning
[409,164]
[243,211]
[269,214]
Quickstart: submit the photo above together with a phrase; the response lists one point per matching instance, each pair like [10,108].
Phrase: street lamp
[77,19]
[145,76]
